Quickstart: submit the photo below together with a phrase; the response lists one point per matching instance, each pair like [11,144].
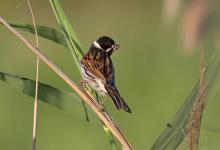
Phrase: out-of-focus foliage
[198,19]
[151,74]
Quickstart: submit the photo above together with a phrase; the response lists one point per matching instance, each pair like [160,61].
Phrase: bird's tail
[117,99]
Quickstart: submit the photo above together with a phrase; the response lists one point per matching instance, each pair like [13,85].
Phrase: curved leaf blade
[43,31]
[72,40]
[66,101]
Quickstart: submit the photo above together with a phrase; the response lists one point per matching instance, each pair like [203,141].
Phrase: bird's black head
[106,44]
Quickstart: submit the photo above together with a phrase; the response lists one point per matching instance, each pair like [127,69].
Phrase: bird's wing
[101,68]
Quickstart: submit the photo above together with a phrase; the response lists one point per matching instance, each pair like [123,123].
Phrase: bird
[98,71]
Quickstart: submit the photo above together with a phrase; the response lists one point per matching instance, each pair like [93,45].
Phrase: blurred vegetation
[153,74]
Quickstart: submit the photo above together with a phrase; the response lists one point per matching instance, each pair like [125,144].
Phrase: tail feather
[117,99]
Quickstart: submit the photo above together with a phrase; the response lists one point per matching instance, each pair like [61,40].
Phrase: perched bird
[98,71]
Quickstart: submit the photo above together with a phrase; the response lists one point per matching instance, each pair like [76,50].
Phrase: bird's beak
[116,46]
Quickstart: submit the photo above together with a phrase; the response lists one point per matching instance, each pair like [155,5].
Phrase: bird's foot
[102,101]
[101,104]
[83,84]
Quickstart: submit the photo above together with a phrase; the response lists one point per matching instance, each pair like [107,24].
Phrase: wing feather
[101,67]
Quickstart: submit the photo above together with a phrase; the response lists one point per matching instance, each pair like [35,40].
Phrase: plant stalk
[85,97]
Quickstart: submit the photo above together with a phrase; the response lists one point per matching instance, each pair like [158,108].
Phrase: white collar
[97,45]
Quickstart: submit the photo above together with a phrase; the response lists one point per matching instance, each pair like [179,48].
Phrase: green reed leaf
[68,39]
[75,48]
[173,134]
[51,34]
[66,101]
[43,31]
[73,42]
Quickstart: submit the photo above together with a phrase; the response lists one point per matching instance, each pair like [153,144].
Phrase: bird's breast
[96,83]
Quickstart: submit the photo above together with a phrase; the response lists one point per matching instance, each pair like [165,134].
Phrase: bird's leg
[98,97]
[83,85]
[103,100]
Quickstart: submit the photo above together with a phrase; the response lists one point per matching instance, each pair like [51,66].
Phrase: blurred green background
[153,74]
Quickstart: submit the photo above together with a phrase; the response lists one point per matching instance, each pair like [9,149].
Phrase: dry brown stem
[34,129]
[104,117]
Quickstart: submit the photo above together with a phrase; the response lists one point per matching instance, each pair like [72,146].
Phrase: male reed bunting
[98,71]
